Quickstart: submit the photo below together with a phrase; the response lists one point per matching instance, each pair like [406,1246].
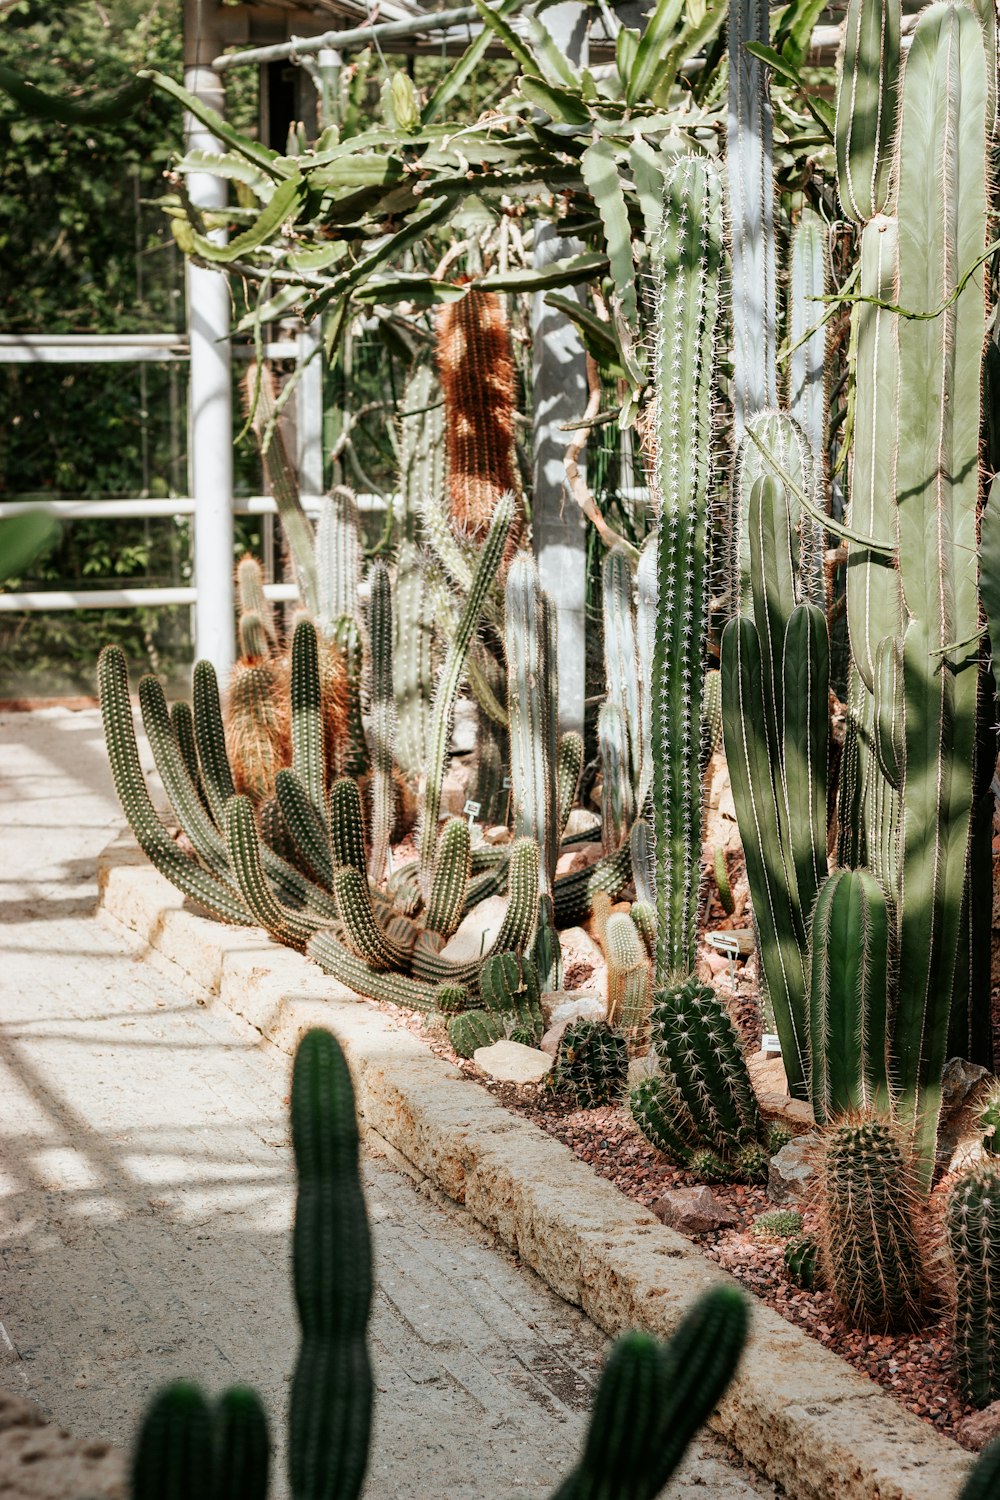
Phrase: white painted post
[210,392]
[559,394]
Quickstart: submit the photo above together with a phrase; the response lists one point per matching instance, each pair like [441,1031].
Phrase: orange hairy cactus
[478,379]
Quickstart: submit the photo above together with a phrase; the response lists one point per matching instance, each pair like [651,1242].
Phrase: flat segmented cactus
[243,843]
[573,894]
[687,261]
[751,217]
[515,929]
[848,997]
[258,739]
[283,482]
[942,211]
[451,673]
[452,864]
[338,558]
[700,1053]
[973,1225]
[621,653]
[369,940]
[382,716]
[215,895]
[182,792]
[652,1398]
[332,1388]
[306,698]
[867,104]
[568,769]
[630,979]
[807,366]
[174,1457]
[304,826]
[412,660]
[591,1064]
[870,1252]
[617,801]
[509,986]
[377,984]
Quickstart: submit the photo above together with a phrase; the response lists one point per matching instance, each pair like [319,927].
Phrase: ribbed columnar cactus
[617,801]
[630,979]
[687,261]
[174,1455]
[700,1054]
[451,675]
[420,445]
[258,730]
[306,699]
[973,1225]
[473,1029]
[338,558]
[870,1252]
[568,768]
[848,997]
[452,867]
[645,628]
[285,923]
[479,384]
[508,986]
[412,660]
[378,984]
[302,824]
[867,103]
[181,790]
[530,689]
[253,601]
[774,445]
[382,718]
[621,654]
[351,758]
[750,183]
[591,1064]
[807,366]
[515,929]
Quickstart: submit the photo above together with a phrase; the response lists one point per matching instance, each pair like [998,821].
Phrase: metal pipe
[358,36]
[59,599]
[182,505]
[96,349]
[210,391]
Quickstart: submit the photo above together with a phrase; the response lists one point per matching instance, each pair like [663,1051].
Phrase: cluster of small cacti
[509,1006]
[700,1109]
[776,1224]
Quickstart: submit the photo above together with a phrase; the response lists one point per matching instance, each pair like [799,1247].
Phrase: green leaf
[558,103]
[820,109]
[652,49]
[598,336]
[555,64]
[693,37]
[569,272]
[285,202]
[600,173]
[424,291]
[233,167]
[22,538]
[793,35]
[436,210]
[496,23]
[364,169]
[453,83]
[265,159]
[626,47]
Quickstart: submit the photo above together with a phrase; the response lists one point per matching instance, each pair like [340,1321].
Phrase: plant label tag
[506,784]
[770,1044]
[471,810]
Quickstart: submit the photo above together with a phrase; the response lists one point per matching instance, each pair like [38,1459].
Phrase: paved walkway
[146,1189]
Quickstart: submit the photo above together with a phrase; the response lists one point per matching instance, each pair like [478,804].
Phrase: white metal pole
[210,392]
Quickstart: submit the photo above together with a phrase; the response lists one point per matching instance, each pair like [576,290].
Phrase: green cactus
[643,914]
[420,444]
[869,1248]
[353,755]
[630,980]
[412,660]
[643,856]
[382,714]
[377,984]
[776,1224]
[687,260]
[254,643]
[173,1457]
[212,893]
[515,929]
[283,483]
[983,1482]
[304,827]
[308,757]
[573,894]
[452,865]
[664,1120]
[801,1257]
[867,104]
[508,986]
[347,825]
[775,446]
[700,1054]
[288,925]
[362,931]
[487,565]
[182,723]
[181,791]
[591,1064]
[972,1219]
[568,768]
[532,693]
[210,740]
[621,654]
[476,1028]
[848,995]
[242,1446]
[989,1120]
[451,998]
[617,800]
[253,600]
[338,558]
[256,728]
[807,365]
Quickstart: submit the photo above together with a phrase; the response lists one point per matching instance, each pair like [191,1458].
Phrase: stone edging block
[795,1411]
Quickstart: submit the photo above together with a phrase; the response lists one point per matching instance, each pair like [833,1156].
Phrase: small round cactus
[802,1261]
[776,1224]
[451,998]
[973,1224]
[592,1063]
[473,1029]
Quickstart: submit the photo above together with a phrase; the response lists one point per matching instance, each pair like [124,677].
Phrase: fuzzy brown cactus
[478,380]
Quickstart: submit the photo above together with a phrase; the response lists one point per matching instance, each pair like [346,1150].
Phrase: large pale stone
[476,931]
[792,1172]
[572,1005]
[511,1062]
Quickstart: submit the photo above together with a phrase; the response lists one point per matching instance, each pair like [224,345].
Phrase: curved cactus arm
[382,716]
[653,1398]
[304,826]
[867,102]
[687,261]
[451,876]
[376,984]
[515,930]
[528,702]
[182,722]
[444,700]
[777,919]
[159,848]
[573,894]
[174,1452]
[630,980]
[308,760]
[252,599]
[210,740]
[329,1419]
[181,791]
[620,652]
[361,927]
[568,769]
[347,825]
[294,928]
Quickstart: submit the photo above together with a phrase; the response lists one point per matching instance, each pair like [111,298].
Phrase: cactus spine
[306,697]
[508,986]
[687,262]
[377,984]
[848,993]
[412,660]
[870,1254]
[617,802]
[382,718]
[338,558]
[620,653]
[973,1225]
[700,1054]
[807,389]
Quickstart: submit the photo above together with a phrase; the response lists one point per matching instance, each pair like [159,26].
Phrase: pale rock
[476,931]
[581,820]
[716,962]
[960,1138]
[581,956]
[693,1210]
[511,1062]
[572,1005]
[641,1068]
[981,1428]
[550,1041]
[455,788]
[577,857]
[791,1174]
[464,727]
[498,834]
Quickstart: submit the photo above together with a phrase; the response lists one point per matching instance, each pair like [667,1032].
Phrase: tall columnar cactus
[382,714]
[700,1054]
[617,801]
[352,756]
[515,930]
[452,867]
[173,1454]
[338,558]
[479,383]
[630,980]
[530,690]
[451,675]
[412,660]
[645,626]
[285,923]
[942,231]
[807,367]
[848,997]
[687,263]
[377,984]
[867,102]
[568,768]
[306,698]
[870,1252]
[258,732]
[751,216]
[253,601]
[973,1225]
[181,790]
[420,445]
[774,445]
[621,655]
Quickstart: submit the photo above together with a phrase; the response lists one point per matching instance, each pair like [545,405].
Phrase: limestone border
[795,1410]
